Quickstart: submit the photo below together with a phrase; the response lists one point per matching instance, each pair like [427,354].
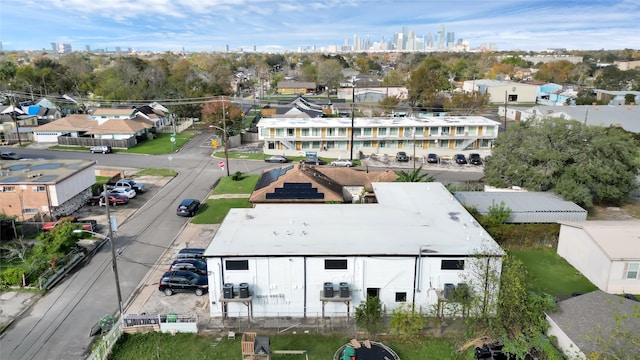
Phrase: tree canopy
[584,164]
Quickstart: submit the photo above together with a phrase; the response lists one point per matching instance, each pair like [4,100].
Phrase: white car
[342,162]
[128,192]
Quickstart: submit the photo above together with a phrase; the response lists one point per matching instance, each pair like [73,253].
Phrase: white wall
[565,344]
[68,188]
[618,283]
[579,250]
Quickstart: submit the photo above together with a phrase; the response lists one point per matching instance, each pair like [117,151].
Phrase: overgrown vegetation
[368,315]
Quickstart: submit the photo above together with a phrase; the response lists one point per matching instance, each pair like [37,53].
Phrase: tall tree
[426,82]
[584,164]
[329,74]
[467,103]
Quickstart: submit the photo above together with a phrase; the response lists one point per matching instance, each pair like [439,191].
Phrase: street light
[114,264]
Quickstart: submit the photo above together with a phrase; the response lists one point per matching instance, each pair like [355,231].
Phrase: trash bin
[172,317]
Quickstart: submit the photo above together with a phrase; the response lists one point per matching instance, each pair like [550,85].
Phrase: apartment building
[444,135]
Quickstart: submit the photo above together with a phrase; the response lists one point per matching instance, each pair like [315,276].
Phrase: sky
[290,25]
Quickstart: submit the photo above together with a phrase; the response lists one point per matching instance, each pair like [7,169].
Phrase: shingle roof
[295,175]
[73,122]
[595,315]
[121,126]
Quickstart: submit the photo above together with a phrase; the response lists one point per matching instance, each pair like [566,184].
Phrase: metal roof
[527,207]
[408,218]
[344,122]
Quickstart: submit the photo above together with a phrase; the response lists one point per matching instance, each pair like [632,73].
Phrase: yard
[318,347]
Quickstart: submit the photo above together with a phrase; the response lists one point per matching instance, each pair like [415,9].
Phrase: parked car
[190,253]
[114,199]
[312,161]
[475,159]
[183,281]
[277,159]
[9,155]
[401,156]
[121,190]
[188,207]
[460,159]
[138,187]
[432,158]
[105,149]
[342,162]
[51,224]
[89,225]
[194,265]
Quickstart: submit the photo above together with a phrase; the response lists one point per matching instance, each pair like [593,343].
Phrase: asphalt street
[57,326]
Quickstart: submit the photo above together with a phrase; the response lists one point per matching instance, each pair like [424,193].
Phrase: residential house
[624,116]
[299,107]
[445,135]
[595,325]
[310,184]
[501,91]
[44,189]
[525,207]
[319,260]
[625,65]
[555,95]
[616,97]
[296,87]
[13,120]
[44,110]
[605,252]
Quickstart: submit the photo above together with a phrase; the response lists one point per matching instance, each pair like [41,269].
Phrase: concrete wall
[577,247]
[565,344]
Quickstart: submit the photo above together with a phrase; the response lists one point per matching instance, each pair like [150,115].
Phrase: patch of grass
[552,274]
[163,346]
[160,145]
[228,186]
[213,211]
[157,172]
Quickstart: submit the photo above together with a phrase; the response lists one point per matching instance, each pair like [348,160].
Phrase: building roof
[296,85]
[40,171]
[122,126]
[498,83]
[596,315]
[112,111]
[520,202]
[73,122]
[275,122]
[619,240]
[408,219]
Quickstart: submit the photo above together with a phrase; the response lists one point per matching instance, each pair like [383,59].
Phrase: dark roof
[597,318]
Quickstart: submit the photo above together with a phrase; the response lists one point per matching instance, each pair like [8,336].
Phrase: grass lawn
[228,186]
[160,145]
[552,274]
[318,347]
[213,211]
[157,172]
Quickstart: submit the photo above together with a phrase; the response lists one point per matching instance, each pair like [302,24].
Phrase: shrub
[406,322]
[368,315]
[237,176]
[12,276]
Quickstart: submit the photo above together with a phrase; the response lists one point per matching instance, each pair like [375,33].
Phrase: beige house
[503,91]
[605,252]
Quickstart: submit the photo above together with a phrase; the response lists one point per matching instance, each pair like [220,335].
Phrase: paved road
[57,327]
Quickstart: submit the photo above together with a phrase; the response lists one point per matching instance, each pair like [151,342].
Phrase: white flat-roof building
[414,246]
[444,135]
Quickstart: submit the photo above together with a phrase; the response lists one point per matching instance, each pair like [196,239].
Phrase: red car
[50,225]
[115,199]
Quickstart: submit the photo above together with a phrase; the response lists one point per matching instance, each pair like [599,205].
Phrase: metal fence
[104,346]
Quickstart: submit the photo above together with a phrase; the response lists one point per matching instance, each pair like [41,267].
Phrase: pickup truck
[89,225]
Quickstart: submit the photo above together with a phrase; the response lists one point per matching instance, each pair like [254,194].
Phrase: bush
[368,315]
[237,176]
[12,276]
[406,322]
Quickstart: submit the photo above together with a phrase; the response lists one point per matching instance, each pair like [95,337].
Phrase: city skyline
[318,25]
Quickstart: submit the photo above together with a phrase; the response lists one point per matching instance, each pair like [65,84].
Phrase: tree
[467,103]
[213,113]
[413,176]
[368,315]
[406,323]
[59,240]
[426,82]
[329,74]
[584,164]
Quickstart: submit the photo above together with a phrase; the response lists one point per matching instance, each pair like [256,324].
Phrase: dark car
[9,155]
[401,156]
[183,281]
[194,265]
[105,149]
[475,159]
[190,253]
[277,159]
[460,159]
[432,158]
[311,161]
[188,207]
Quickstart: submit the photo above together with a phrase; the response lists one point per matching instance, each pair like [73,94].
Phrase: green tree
[407,323]
[584,164]
[368,315]
[498,214]
[426,82]
[467,103]
[329,74]
[59,240]
[414,175]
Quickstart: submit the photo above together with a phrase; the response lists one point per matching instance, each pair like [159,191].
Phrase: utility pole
[15,118]
[226,137]
[353,110]
[505,110]
[113,251]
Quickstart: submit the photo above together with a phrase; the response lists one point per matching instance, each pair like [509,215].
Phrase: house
[595,324]
[616,97]
[416,245]
[296,87]
[445,135]
[309,184]
[526,207]
[120,128]
[624,116]
[44,189]
[44,110]
[501,91]
[555,95]
[605,252]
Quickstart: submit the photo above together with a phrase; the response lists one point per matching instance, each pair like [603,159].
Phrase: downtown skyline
[293,25]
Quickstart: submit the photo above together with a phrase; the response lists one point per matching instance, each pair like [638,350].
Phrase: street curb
[35,299]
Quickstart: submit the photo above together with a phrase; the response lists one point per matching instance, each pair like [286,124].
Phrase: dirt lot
[627,212]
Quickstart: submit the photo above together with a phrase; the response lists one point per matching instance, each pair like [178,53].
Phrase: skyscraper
[441,38]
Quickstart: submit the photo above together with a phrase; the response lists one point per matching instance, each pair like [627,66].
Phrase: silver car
[342,162]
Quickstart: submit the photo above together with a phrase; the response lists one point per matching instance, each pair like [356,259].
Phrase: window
[632,271]
[401,297]
[445,130]
[291,132]
[393,131]
[382,131]
[304,132]
[279,132]
[316,132]
[367,131]
[29,211]
[332,264]
[343,132]
[459,130]
[331,132]
[513,98]
[39,189]
[265,132]
[8,188]
[452,265]
[419,131]
[236,264]
[433,131]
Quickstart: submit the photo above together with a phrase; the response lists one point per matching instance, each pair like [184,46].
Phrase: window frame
[446,264]
[336,264]
[630,270]
[237,265]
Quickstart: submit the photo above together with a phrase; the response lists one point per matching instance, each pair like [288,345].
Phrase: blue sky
[277,25]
